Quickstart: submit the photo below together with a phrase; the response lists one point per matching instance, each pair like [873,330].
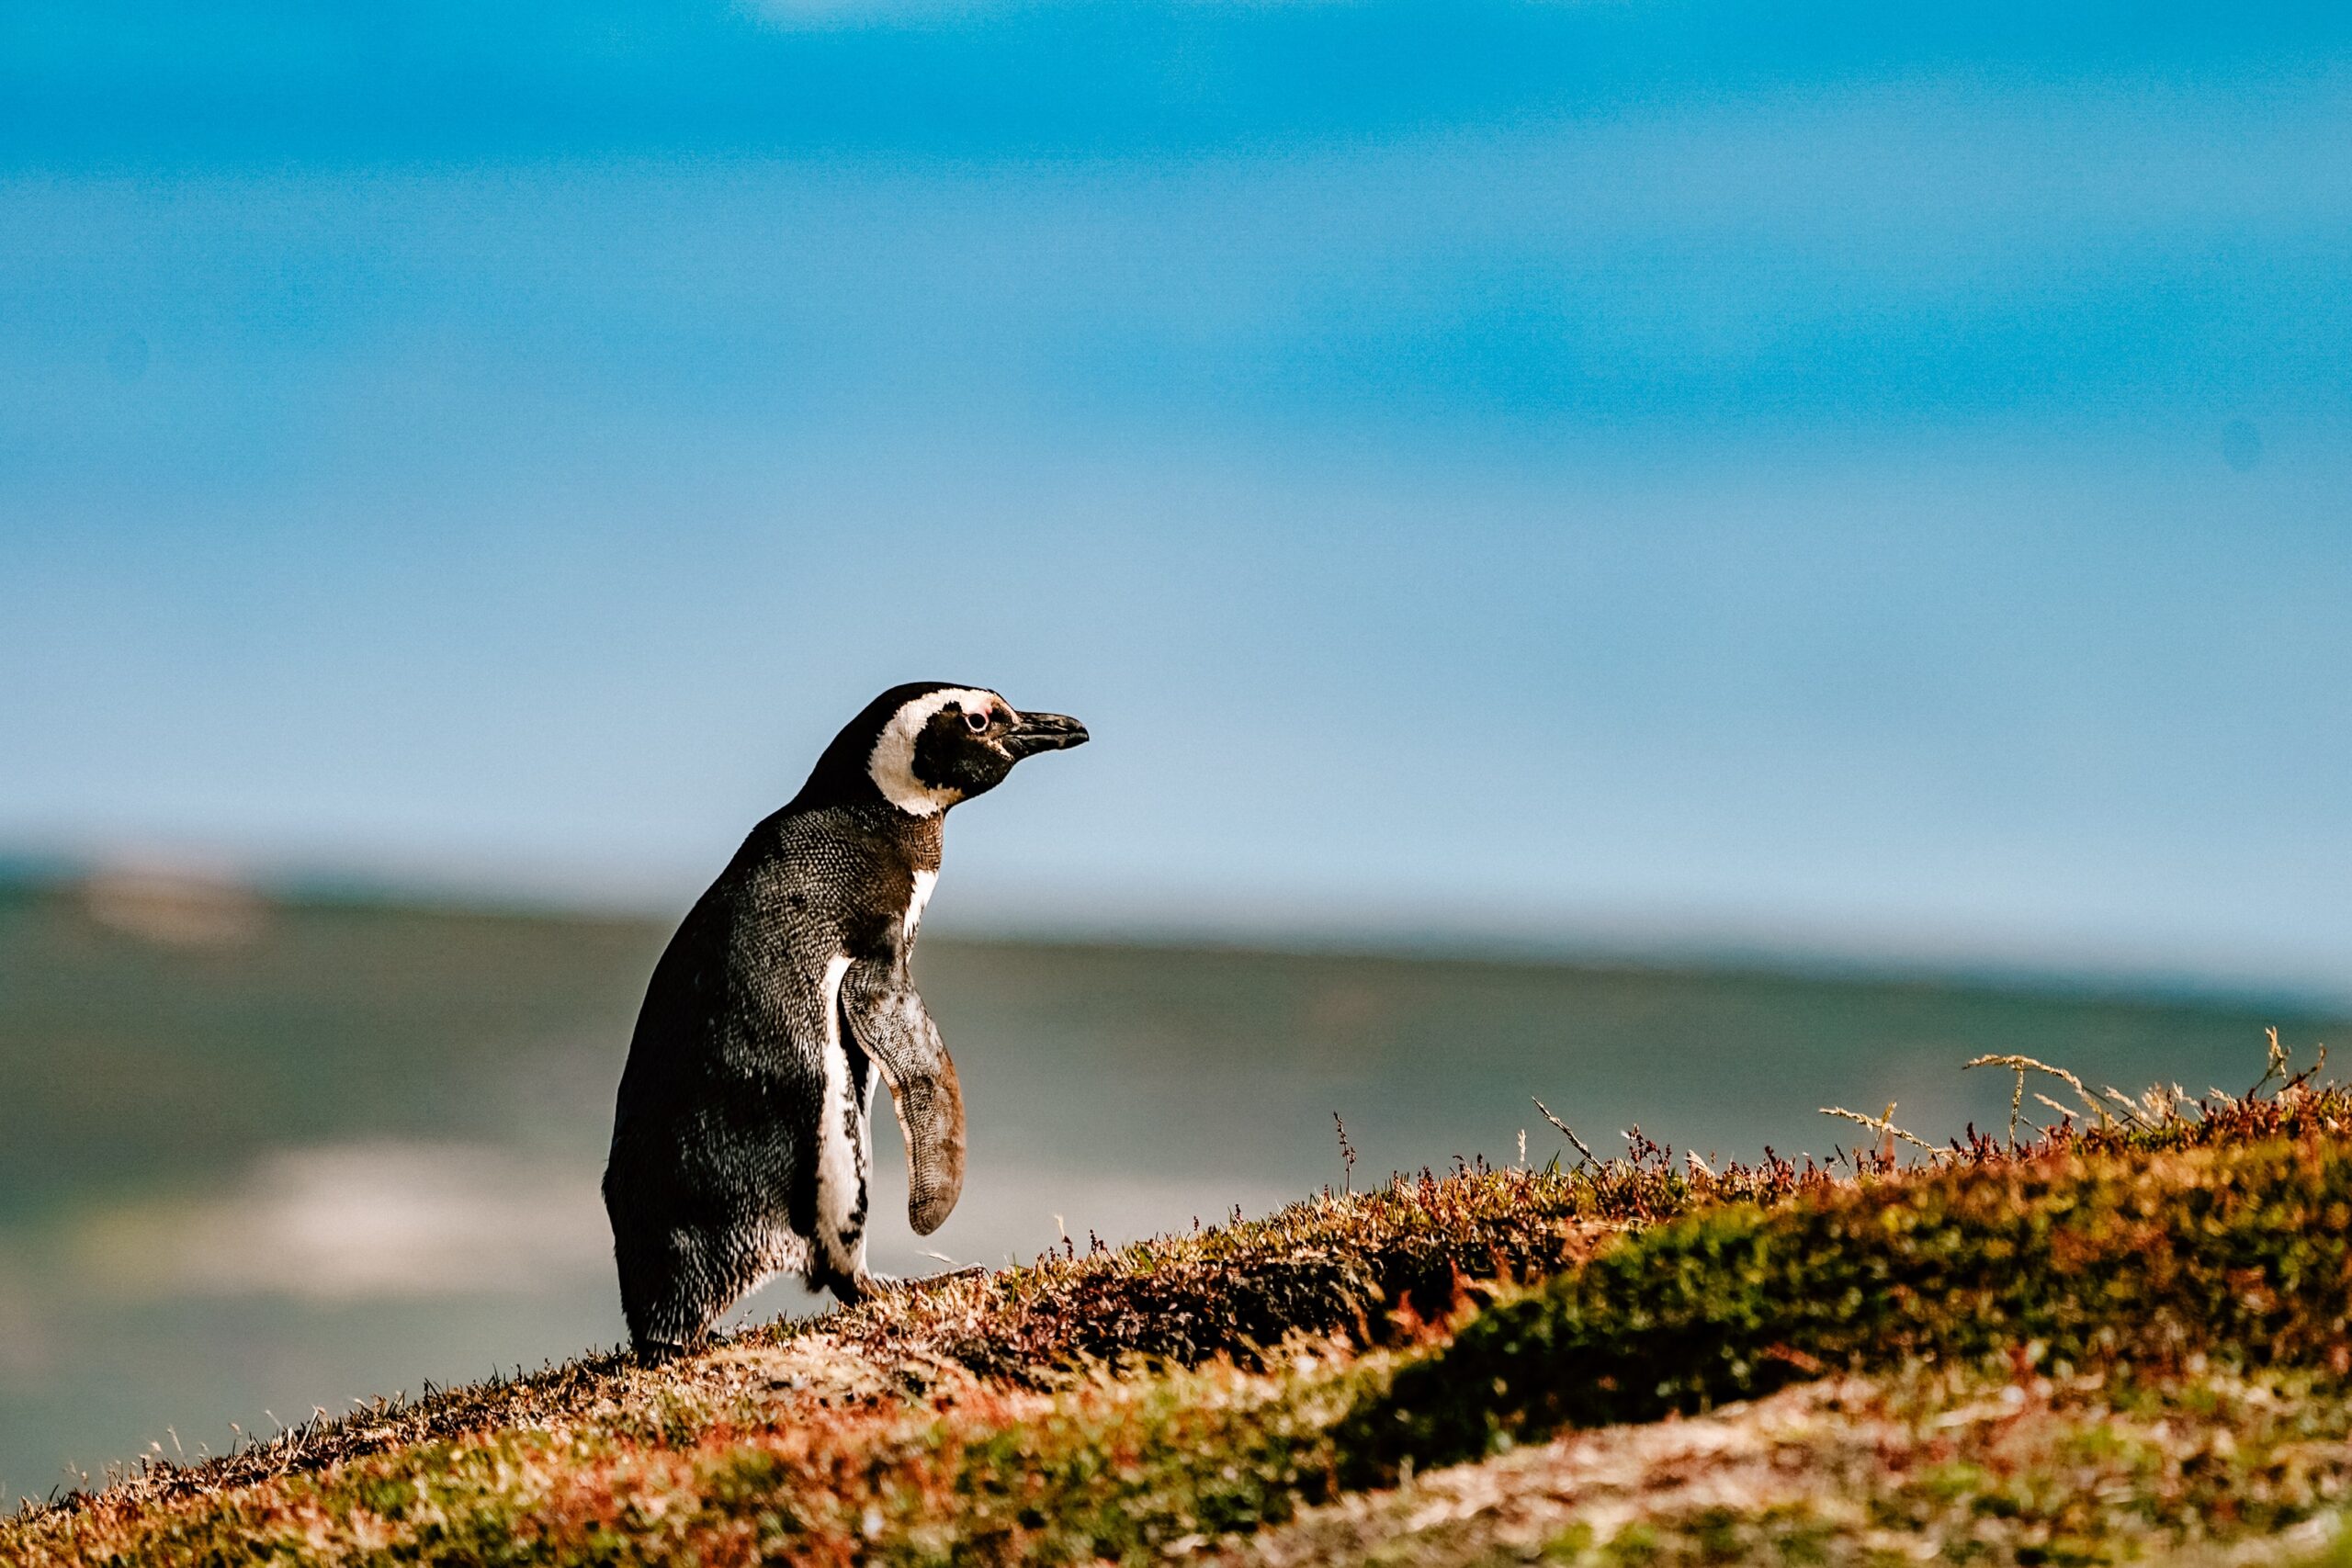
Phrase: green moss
[2076,1260]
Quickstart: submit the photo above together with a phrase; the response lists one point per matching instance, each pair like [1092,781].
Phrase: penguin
[742,1131]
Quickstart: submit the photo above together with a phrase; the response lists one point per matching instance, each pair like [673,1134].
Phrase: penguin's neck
[924,838]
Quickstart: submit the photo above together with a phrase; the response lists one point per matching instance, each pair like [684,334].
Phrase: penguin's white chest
[924,882]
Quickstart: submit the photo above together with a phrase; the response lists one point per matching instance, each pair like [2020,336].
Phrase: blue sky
[1813,478]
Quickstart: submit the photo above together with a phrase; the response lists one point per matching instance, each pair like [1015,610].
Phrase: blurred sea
[259,1157]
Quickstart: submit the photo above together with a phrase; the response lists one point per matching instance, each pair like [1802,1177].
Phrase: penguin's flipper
[889,1021]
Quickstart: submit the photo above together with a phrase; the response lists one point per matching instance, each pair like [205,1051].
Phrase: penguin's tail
[658,1280]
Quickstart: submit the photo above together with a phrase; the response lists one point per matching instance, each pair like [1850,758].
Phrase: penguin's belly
[840,1140]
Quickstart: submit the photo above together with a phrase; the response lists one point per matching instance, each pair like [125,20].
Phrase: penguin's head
[927,746]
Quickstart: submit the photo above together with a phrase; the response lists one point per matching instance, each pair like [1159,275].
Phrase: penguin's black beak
[1044,732]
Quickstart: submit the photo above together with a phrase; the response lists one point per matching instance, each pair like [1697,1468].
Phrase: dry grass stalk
[2020,1066]
[1885,1126]
[1584,1154]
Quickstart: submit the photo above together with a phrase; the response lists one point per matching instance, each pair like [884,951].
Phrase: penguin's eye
[977,721]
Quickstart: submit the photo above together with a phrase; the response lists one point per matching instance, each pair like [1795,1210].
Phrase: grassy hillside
[2127,1335]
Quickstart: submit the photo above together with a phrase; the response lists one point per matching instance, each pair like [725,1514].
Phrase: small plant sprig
[1347,1156]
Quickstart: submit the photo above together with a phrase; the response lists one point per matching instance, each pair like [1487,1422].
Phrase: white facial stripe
[892,765]
[837,1175]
